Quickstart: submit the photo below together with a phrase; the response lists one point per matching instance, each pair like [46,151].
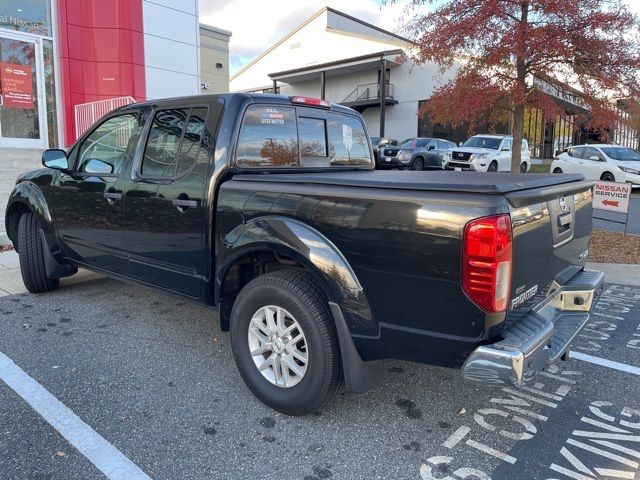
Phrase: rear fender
[311,249]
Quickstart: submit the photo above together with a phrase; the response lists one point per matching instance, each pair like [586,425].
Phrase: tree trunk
[518,109]
[518,132]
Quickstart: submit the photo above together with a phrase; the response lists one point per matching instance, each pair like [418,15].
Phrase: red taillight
[486,262]
[315,102]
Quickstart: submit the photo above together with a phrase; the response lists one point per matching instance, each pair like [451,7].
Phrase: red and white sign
[17,85]
[611,196]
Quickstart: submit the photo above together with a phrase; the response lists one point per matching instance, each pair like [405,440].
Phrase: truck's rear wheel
[284,342]
[31,254]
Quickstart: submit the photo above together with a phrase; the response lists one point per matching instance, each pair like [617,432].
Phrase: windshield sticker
[347,136]
[271,116]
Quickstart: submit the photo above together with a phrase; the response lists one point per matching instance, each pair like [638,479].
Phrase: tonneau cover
[450,181]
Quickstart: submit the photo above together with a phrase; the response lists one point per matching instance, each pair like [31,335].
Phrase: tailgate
[551,230]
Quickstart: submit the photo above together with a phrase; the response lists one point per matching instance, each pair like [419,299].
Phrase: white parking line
[623,367]
[107,458]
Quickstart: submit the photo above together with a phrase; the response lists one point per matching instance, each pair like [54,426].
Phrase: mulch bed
[614,247]
[6,248]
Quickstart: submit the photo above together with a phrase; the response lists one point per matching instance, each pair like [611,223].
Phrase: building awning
[338,67]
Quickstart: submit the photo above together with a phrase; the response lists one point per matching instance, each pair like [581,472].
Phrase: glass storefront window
[19,89]
[31,16]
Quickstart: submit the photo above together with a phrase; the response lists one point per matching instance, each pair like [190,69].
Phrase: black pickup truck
[268,208]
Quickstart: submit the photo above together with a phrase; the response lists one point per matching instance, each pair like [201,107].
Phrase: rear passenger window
[268,137]
[160,155]
[348,143]
[192,149]
[576,152]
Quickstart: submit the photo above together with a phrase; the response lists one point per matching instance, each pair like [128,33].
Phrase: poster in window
[17,85]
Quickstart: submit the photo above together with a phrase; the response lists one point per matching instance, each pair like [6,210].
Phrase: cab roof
[251,97]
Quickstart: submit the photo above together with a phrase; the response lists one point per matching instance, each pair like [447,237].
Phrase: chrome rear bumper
[541,337]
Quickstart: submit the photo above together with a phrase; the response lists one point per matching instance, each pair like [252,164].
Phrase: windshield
[408,142]
[624,154]
[483,142]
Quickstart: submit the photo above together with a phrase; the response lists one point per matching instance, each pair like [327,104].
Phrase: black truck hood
[450,181]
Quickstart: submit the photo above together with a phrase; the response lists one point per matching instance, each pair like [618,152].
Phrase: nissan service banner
[611,196]
[17,85]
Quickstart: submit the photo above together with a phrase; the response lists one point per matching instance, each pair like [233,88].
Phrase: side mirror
[459,144]
[431,147]
[98,167]
[55,158]
[505,149]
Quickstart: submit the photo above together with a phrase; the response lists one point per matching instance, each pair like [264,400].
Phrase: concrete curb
[620,273]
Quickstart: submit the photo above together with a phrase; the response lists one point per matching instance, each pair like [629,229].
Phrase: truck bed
[450,181]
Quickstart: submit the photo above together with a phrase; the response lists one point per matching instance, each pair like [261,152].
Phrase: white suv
[487,153]
[612,163]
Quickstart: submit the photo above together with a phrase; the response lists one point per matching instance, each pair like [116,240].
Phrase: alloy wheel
[278,346]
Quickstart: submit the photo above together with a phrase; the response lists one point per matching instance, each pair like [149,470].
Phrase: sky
[258,24]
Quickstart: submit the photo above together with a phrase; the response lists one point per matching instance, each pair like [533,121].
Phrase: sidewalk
[13,162]
[11,278]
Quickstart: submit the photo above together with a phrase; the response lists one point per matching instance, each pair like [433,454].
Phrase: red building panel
[102,53]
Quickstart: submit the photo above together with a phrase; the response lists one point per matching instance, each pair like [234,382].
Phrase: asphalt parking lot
[154,378]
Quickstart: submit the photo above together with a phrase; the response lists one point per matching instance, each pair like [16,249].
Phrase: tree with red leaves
[499,47]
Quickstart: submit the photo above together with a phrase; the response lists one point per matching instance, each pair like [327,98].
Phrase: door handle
[182,204]
[112,197]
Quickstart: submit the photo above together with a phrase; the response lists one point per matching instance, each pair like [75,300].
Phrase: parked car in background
[380,142]
[487,153]
[416,154]
[611,163]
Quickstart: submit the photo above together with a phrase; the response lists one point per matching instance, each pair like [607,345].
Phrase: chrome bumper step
[541,337]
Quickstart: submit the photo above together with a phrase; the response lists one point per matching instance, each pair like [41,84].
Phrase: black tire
[417,164]
[493,167]
[557,170]
[523,167]
[299,294]
[608,177]
[31,256]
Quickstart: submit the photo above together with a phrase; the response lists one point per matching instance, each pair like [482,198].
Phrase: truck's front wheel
[31,254]
[284,342]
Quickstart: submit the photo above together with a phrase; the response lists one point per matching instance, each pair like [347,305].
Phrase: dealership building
[65,62]
[343,59]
